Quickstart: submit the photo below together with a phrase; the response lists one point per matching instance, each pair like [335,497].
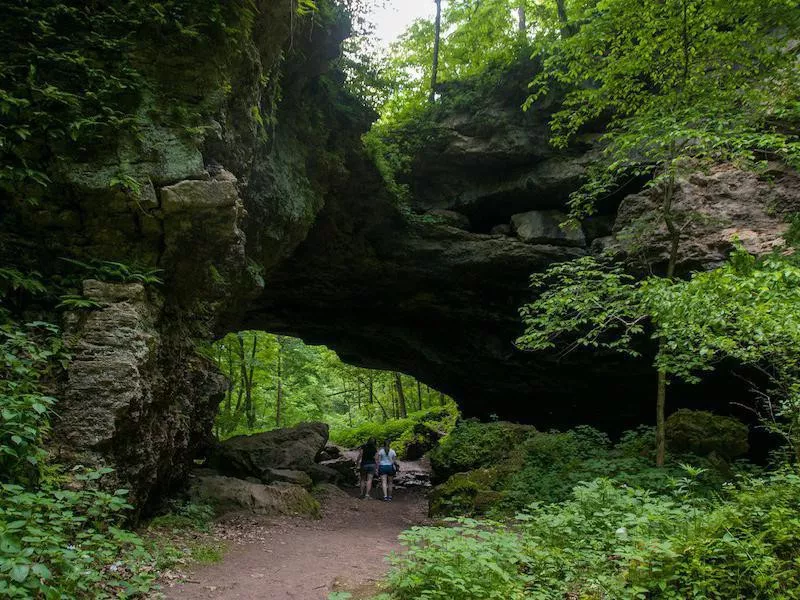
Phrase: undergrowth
[417,427]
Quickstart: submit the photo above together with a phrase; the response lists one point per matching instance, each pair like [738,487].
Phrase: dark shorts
[368,468]
[386,469]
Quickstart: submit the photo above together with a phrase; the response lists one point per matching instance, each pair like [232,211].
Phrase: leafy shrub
[29,352]
[545,467]
[473,444]
[403,432]
[477,560]
[62,543]
[616,541]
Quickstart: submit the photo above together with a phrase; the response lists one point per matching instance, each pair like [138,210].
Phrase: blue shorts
[386,470]
[368,468]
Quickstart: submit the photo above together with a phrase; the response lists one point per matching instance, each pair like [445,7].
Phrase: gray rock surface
[712,210]
[345,467]
[288,476]
[544,227]
[229,494]
[451,218]
[259,455]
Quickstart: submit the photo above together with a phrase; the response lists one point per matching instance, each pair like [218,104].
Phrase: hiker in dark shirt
[366,466]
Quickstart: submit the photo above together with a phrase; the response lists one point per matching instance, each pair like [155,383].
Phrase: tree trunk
[383,410]
[562,18]
[240,391]
[436,40]
[523,23]
[247,382]
[441,398]
[279,394]
[661,402]
[419,395]
[661,391]
[401,396]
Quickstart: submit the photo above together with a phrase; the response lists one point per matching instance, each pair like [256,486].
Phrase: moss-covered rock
[229,494]
[470,493]
[704,433]
[472,445]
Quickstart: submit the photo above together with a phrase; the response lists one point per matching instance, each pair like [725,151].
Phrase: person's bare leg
[384,484]
[391,484]
[368,477]
[362,482]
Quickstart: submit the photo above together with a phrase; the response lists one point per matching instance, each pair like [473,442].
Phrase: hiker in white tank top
[387,466]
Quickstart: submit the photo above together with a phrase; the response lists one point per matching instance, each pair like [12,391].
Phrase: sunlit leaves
[704,79]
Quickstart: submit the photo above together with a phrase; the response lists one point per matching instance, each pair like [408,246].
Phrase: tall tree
[437,34]
[401,396]
[279,380]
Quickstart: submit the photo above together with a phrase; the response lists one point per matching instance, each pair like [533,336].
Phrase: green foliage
[30,352]
[74,75]
[661,72]
[58,542]
[589,302]
[745,310]
[545,467]
[75,302]
[616,541]
[472,560]
[290,382]
[105,270]
[473,444]
[401,432]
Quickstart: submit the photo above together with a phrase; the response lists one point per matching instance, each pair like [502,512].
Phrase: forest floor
[300,559]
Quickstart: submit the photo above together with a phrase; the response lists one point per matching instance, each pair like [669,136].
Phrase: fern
[74,302]
[11,279]
[105,270]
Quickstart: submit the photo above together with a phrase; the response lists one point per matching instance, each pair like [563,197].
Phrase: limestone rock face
[127,401]
[713,211]
[294,448]
[229,494]
[544,227]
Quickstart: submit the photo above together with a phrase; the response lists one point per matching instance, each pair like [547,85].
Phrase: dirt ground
[290,558]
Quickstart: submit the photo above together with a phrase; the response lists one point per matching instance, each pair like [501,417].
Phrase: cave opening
[358,389]
[278,381]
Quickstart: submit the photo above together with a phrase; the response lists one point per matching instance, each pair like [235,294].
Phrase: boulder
[330,452]
[320,473]
[259,455]
[288,476]
[451,218]
[469,493]
[544,227]
[345,467]
[503,229]
[472,445]
[703,433]
[229,494]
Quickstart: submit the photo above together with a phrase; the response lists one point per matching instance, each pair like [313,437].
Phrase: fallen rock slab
[259,455]
[230,494]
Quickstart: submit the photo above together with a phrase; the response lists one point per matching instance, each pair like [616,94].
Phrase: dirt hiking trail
[291,558]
